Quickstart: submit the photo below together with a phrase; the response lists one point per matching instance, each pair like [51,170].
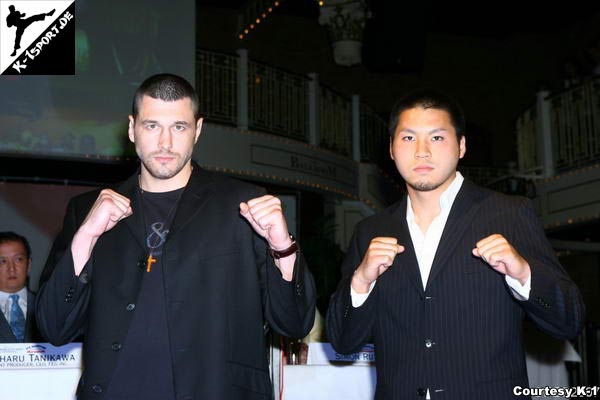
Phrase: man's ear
[130,129]
[198,129]
[462,146]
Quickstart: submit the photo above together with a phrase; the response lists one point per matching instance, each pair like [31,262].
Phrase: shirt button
[130,307]
[116,346]
[97,389]
[428,343]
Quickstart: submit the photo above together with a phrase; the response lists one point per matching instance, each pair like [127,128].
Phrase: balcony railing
[217,86]
[374,136]
[336,122]
[277,101]
[561,131]
[526,141]
[236,90]
[575,124]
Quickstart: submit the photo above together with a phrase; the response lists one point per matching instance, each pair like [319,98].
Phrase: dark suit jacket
[461,337]
[31,332]
[220,286]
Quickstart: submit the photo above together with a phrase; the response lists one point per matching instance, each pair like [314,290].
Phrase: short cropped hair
[428,98]
[10,236]
[166,87]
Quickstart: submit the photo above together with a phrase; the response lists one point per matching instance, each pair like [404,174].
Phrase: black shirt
[144,370]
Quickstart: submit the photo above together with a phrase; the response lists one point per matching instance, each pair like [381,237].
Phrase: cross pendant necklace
[151,260]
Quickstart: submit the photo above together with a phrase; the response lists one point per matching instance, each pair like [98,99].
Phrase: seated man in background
[17,321]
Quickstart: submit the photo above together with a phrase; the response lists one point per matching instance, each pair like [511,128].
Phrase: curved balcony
[558,142]
[237,91]
[289,129]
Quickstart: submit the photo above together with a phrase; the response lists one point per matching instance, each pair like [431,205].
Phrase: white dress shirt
[426,245]
[6,303]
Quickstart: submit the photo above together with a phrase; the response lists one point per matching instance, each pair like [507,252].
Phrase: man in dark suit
[170,275]
[442,280]
[17,321]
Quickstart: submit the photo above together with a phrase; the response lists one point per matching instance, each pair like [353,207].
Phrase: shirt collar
[446,199]
[22,295]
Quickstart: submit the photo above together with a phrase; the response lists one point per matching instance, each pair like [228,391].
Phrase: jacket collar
[461,216]
[197,192]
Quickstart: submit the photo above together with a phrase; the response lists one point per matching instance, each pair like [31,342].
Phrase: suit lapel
[6,334]
[407,260]
[197,192]
[30,318]
[194,196]
[135,223]
[463,210]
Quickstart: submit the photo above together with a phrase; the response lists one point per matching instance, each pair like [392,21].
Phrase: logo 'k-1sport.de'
[37,37]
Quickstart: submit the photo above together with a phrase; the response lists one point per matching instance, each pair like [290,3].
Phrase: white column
[345,21]
[544,133]
[314,136]
[242,89]
[356,127]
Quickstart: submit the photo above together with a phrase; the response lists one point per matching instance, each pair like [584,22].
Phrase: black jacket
[220,287]
[461,337]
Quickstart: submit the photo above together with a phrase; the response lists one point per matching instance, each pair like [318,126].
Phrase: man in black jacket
[442,280]
[170,275]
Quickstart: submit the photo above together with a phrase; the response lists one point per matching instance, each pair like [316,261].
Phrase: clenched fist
[265,215]
[109,208]
[378,258]
[502,256]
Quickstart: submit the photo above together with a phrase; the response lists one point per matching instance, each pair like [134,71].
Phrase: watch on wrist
[277,254]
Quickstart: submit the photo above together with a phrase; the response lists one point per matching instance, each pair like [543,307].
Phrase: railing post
[242,92]
[356,156]
[544,133]
[314,134]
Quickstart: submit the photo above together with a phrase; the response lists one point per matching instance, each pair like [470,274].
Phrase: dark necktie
[17,319]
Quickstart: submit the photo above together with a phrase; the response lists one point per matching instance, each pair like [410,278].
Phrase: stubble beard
[424,186]
[160,171]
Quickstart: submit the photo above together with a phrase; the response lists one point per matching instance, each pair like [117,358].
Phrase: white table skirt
[328,382]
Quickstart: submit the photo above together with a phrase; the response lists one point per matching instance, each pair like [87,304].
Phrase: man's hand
[266,218]
[378,258]
[500,255]
[109,208]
